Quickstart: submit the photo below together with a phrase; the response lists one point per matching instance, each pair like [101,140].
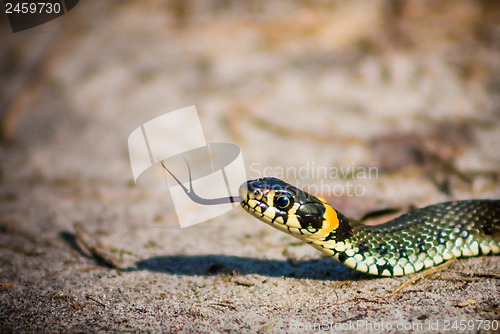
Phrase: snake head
[288,208]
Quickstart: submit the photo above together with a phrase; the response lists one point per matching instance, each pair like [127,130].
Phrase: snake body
[410,243]
[407,244]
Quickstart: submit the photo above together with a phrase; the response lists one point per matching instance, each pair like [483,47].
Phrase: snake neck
[342,243]
[415,241]
[361,248]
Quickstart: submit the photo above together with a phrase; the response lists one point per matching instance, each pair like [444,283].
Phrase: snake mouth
[248,199]
[257,198]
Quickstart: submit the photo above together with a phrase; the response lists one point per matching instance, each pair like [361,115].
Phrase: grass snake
[412,242]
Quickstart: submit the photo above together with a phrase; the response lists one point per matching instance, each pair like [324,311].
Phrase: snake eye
[283,202]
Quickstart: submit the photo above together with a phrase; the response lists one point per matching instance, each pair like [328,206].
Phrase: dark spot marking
[441,238]
[363,248]
[382,250]
[487,228]
[381,268]
[311,215]
[344,231]
[342,257]
[421,248]
[401,249]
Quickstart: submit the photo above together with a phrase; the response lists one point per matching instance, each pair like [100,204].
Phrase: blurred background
[391,84]
[409,87]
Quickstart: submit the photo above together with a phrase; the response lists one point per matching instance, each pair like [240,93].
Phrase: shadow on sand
[212,265]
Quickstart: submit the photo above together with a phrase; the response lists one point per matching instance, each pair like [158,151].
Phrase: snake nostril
[257,193]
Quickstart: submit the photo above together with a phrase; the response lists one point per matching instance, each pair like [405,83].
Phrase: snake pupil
[283,202]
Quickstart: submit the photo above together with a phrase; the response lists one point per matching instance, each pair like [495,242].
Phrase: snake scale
[410,243]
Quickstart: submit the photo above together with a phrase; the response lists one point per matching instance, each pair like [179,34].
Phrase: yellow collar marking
[330,219]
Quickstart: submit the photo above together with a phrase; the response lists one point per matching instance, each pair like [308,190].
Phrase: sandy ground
[408,88]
